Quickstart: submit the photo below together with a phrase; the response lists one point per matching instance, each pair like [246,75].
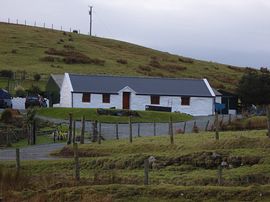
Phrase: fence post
[217,124]
[139,129]
[146,172]
[219,175]
[116,131]
[230,118]
[77,163]
[34,131]
[94,137]
[207,124]
[130,130]
[82,130]
[18,165]
[74,132]
[171,130]
[99,133]
[155,131]
[185,125]
[70,129]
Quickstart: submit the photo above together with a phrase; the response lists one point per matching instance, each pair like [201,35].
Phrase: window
[106,98]
[86,97]
[185,101]
[155,99]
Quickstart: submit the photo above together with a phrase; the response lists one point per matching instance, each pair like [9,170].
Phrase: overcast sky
[234,32]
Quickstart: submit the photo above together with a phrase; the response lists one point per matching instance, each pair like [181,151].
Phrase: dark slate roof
[141,85]
[58,78]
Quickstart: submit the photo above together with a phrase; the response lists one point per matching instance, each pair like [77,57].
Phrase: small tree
[254,89]
[20,91]
[37,77]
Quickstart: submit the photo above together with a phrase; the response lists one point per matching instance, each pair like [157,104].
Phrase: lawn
[91,114]
[184,171]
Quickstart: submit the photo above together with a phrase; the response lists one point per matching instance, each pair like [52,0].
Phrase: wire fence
[44,25]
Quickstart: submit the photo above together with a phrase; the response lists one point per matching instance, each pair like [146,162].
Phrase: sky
[235,32]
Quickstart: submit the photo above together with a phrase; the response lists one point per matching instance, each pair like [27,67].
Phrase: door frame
[126,100]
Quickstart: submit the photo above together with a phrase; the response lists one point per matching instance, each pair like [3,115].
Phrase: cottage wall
[198,106]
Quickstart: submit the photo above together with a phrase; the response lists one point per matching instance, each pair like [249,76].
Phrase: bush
[122,61]
[6,116]
[14,51]
[185,60]
[20,91]
[6,73]
[34,90]
[37,77]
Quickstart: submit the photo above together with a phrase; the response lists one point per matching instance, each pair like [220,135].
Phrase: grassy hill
[44,51]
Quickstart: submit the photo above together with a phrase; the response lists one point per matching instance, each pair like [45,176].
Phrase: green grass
[91,114]
[114,170]
[31,43]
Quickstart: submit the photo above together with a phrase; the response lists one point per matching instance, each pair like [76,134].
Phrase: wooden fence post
[70,129]
[130,130]
[217,126]
[185,125]
[74,132]
[139,129]
[94,137]
[146,172]
[99,133]
[171,131]
[219,175]
[155,131]
[207,124]
[116,131]
[82,130]
[18,165]
[34,132]
[230,118]
[76,161]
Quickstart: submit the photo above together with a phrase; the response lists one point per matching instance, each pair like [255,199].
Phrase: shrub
[155,63]
[185,60]
[6,116]
[122,61]
[37,77]
[69,47]
[264,70]
[6,73]
[20,91]
[145,68]
[174,68]
[34,90]
[14,51]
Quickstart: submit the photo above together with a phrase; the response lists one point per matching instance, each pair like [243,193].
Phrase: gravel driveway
[36,152]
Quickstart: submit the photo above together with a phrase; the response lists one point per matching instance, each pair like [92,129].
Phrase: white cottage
[191,96]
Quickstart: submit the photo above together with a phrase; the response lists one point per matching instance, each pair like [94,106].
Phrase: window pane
[155,99]
[106,98]
[86,97]
[185,101]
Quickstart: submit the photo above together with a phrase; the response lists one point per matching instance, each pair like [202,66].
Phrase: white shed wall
[65,92]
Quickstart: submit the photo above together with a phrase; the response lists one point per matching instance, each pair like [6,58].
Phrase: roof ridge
[141,77]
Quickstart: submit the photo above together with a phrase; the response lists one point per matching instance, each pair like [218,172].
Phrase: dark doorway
[126,100]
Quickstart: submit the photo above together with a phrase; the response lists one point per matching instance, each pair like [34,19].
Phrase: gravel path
[36,152]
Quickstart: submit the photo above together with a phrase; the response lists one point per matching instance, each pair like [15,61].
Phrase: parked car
[35,101]
[5,99]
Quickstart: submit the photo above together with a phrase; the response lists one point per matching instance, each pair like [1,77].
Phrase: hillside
[45,51]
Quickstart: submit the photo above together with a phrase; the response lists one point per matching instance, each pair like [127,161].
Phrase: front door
[126,100]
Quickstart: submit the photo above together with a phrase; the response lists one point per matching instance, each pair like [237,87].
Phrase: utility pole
[90,15]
